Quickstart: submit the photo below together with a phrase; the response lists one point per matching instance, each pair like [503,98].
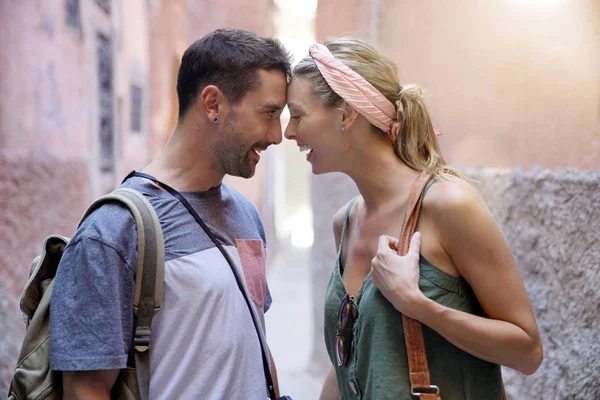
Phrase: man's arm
[91,310]
[89,385]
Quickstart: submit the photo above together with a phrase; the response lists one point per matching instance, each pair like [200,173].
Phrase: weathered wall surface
[133,65]
[40,194]
[44,94]
[509,82]
[50,79]
[551,219]
[45,110]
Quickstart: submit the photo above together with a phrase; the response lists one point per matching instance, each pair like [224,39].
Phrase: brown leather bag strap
[420,381]
[413,207]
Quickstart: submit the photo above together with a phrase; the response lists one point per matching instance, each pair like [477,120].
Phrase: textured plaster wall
[46,110]
[44,90]
[551,220]
[40,194]
[511,82]
[133,65]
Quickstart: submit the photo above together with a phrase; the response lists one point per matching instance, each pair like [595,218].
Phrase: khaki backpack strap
[149,289]
[420,383]
[149,282]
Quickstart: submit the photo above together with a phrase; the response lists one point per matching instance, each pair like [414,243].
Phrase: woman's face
[317,129]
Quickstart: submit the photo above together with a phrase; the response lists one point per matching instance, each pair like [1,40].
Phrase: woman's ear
[349,116]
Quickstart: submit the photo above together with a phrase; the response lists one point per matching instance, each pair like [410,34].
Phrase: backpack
[33,378]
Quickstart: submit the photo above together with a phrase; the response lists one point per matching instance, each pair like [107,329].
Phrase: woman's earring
[343,128]
[215,120]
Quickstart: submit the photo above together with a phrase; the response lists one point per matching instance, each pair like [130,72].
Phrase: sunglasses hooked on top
[344,336]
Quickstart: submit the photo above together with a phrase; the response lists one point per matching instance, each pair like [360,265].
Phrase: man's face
[252,125]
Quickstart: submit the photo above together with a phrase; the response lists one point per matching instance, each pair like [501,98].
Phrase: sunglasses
[344,339]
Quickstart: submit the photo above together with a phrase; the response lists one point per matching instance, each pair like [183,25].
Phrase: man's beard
[232,151]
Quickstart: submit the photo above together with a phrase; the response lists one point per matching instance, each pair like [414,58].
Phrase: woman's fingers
[415,245]
[387,242]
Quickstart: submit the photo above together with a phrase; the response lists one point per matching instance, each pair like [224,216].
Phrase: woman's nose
[290,133]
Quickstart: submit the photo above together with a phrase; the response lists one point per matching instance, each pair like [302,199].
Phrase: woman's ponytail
[417,144]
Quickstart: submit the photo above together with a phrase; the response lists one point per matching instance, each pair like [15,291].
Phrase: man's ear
[211,100]
[349,116]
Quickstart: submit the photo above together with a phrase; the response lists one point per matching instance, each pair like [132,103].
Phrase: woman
[350,113]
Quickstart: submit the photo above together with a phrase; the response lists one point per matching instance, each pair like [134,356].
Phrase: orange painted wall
[511,83]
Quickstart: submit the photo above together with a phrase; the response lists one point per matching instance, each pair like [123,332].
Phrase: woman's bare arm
[508,335]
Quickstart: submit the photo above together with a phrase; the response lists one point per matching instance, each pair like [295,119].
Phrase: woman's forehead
[300,94]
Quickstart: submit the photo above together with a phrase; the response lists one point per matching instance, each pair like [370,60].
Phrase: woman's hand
[397,277]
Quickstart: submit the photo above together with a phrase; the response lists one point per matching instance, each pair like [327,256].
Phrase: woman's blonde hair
[416,145]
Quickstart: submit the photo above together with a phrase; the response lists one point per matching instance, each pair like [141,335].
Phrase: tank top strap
[430,184]
[346,217]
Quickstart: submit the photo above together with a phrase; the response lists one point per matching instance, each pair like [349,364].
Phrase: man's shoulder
[109,217]
[239,199]
[246,212]
[111,224]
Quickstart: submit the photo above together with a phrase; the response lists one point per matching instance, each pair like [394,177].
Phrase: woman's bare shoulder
[451,194]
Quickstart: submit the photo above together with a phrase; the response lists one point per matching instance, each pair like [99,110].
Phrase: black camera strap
[199,220]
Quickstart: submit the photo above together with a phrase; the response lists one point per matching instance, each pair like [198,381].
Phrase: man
[231,87]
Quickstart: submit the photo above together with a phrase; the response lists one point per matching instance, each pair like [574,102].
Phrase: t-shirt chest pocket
[252,257]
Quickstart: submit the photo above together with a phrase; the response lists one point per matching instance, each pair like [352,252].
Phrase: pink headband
[357,92]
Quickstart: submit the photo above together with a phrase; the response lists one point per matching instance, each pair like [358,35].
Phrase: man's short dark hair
[228,59]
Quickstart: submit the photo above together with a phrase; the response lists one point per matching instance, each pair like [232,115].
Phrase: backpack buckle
[141,338]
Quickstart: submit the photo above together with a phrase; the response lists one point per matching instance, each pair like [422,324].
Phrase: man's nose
[275,133]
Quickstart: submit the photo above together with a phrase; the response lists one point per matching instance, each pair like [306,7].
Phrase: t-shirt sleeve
[91,309]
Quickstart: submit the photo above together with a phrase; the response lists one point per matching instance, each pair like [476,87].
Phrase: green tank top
[378,366]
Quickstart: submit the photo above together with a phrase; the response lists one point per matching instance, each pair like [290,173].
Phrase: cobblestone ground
[289,323]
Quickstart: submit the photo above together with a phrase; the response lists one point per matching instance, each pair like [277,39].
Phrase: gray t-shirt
[204,343]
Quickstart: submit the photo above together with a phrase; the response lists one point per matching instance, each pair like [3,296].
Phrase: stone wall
[551,220]
[40,194]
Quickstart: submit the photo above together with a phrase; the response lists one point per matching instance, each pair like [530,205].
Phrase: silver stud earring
[343,128]
[215,120]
